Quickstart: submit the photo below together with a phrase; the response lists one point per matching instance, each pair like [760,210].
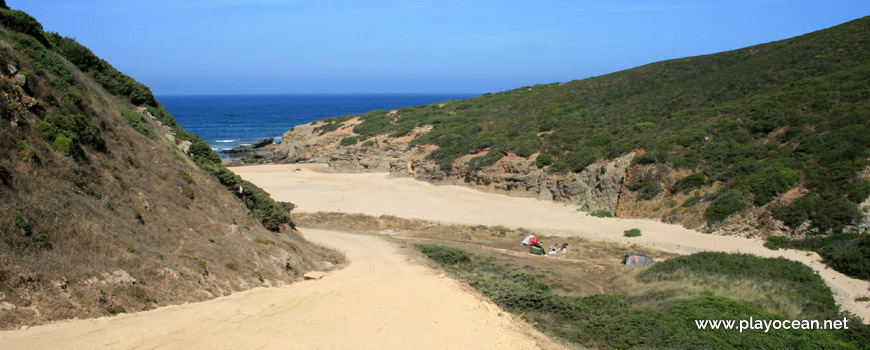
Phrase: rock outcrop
[260,149]
[603,185]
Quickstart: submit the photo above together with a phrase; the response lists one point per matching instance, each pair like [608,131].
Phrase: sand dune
[380,301]
[314,190]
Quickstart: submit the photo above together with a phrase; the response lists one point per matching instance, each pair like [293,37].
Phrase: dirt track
[375,194]
[379,301]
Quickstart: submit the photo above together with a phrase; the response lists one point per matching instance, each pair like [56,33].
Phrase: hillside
[108,205]
[767,140]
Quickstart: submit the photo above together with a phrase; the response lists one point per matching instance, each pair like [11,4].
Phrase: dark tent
[637,260]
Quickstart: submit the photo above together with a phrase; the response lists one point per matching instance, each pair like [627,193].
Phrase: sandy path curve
[312,189]
[379,301]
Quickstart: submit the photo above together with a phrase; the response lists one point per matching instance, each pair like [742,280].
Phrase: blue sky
[338,46]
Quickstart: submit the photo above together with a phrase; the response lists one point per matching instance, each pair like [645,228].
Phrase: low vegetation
[624,321]
[601,213]
[444,255]
[848,253]
[632,233]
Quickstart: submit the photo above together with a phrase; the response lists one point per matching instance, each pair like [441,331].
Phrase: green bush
[444,255]
[826,214]
[350,140]
[601,213]
[138,123]
[776,242]
[62,145]
[580,159]
[860,191]
[632,233]
[689,183]
[27,151]
[647,188]
[848,253]
[723,206]
[543,160]
[20,21]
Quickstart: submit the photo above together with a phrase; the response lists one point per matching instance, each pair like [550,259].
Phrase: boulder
[314,275]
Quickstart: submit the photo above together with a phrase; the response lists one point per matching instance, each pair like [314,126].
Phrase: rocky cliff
[603,185]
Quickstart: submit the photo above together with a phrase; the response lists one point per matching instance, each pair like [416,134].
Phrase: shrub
[115,309]
[350,140]
[543,160]
[444,255]
[647,187]
[580,159]
[776,242]
[690,136]
[62,145]
[632,233]
[68,131]
[860,191]
[138,123]
[691,201]
[723,206]
[20,21]
[689,183]
[27,151]
[601,213]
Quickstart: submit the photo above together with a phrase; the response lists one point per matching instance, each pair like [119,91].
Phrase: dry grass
[587,268]
[662,294]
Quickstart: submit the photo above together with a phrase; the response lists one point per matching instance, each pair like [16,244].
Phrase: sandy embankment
[375,194]
[380,301]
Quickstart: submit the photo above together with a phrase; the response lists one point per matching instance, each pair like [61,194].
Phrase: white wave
[225,141]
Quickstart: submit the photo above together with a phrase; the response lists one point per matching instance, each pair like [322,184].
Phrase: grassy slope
[761,120]
[91,187]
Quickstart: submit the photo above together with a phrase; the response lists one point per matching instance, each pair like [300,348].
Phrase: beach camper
[637,260]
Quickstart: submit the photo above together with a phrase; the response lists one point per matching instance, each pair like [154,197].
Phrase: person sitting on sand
[563,247]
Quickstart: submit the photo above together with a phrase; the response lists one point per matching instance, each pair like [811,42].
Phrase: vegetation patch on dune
[623,321]
[848,253]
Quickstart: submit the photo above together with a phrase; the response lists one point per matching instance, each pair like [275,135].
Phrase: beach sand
[379,301]
[313,189]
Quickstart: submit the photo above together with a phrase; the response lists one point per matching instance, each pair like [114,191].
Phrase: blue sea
[227,121]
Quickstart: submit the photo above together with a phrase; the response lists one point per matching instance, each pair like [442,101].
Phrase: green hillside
[759,120]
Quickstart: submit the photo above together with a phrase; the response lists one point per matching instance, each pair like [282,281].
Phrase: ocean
[227,121]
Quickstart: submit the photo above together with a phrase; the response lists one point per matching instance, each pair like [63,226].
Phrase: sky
[409,46]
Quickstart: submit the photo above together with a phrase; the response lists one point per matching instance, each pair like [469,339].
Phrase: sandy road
[375,194]
[379,301]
